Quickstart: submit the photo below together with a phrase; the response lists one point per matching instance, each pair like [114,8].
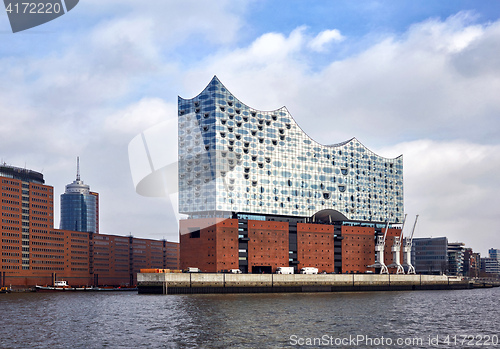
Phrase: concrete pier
[176,283]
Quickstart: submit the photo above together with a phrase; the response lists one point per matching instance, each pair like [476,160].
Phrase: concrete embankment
[165,283]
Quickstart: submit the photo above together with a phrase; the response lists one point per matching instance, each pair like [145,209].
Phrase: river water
[411,319]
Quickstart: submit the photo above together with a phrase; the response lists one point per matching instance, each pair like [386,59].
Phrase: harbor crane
[379,252]
[396,252]
[408,242]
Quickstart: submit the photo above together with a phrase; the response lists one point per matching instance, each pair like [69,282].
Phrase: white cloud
[324,38]
[420,85]
[453,186]
[439,81]
[139,116]
[175,22]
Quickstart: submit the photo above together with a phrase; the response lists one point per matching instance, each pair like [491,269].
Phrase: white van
[235,271]
[309,270]
[284,270]
[192,270]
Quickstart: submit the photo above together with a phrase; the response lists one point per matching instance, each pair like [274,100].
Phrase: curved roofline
[18,173]
[335,145]
[215,78]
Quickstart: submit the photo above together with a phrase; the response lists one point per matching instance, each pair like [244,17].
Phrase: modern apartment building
[456,256]
[260,193]
[472,263]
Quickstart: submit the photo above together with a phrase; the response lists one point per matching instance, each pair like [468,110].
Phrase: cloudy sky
[419,78]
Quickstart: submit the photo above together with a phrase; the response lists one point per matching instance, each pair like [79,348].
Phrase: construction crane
[396,252]
[408,242]
[379,252]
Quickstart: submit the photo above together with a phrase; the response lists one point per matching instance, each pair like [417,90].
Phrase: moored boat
[62,285]
[5,290]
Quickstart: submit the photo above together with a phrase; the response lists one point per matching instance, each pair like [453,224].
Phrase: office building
[33,252]
[260,193]
[491,265]
[494,253]
[79,206]
[430,255]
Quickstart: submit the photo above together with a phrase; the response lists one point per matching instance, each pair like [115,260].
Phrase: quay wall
[165,283]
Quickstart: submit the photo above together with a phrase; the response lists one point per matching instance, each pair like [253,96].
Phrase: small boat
[5,290]
[61,285]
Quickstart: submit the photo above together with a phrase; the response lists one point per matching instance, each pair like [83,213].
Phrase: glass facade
[430,255]
[79,206]
[234,158]
[78,212]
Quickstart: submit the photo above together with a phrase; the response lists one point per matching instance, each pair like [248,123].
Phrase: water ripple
[128,320]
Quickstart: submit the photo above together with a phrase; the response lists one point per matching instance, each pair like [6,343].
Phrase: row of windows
[79,235]
[39,200]
[10,254]
[7,181]
[10,202]
[16,190]
[47,262]
[41,237]
[5,247]
[9,208]
[11,215]
[37,187]
[13,261]
[40,213]
[7,195]
[37,243]
[80,246]
[46,250]
[10,234]
[79,258]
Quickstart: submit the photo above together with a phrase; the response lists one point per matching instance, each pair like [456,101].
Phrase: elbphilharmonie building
[238,160]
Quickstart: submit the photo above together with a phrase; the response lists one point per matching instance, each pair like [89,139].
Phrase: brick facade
[358,249]
[389,241]
[315,246]
[268,244]
[216,248]
[209,244]
[33,252]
